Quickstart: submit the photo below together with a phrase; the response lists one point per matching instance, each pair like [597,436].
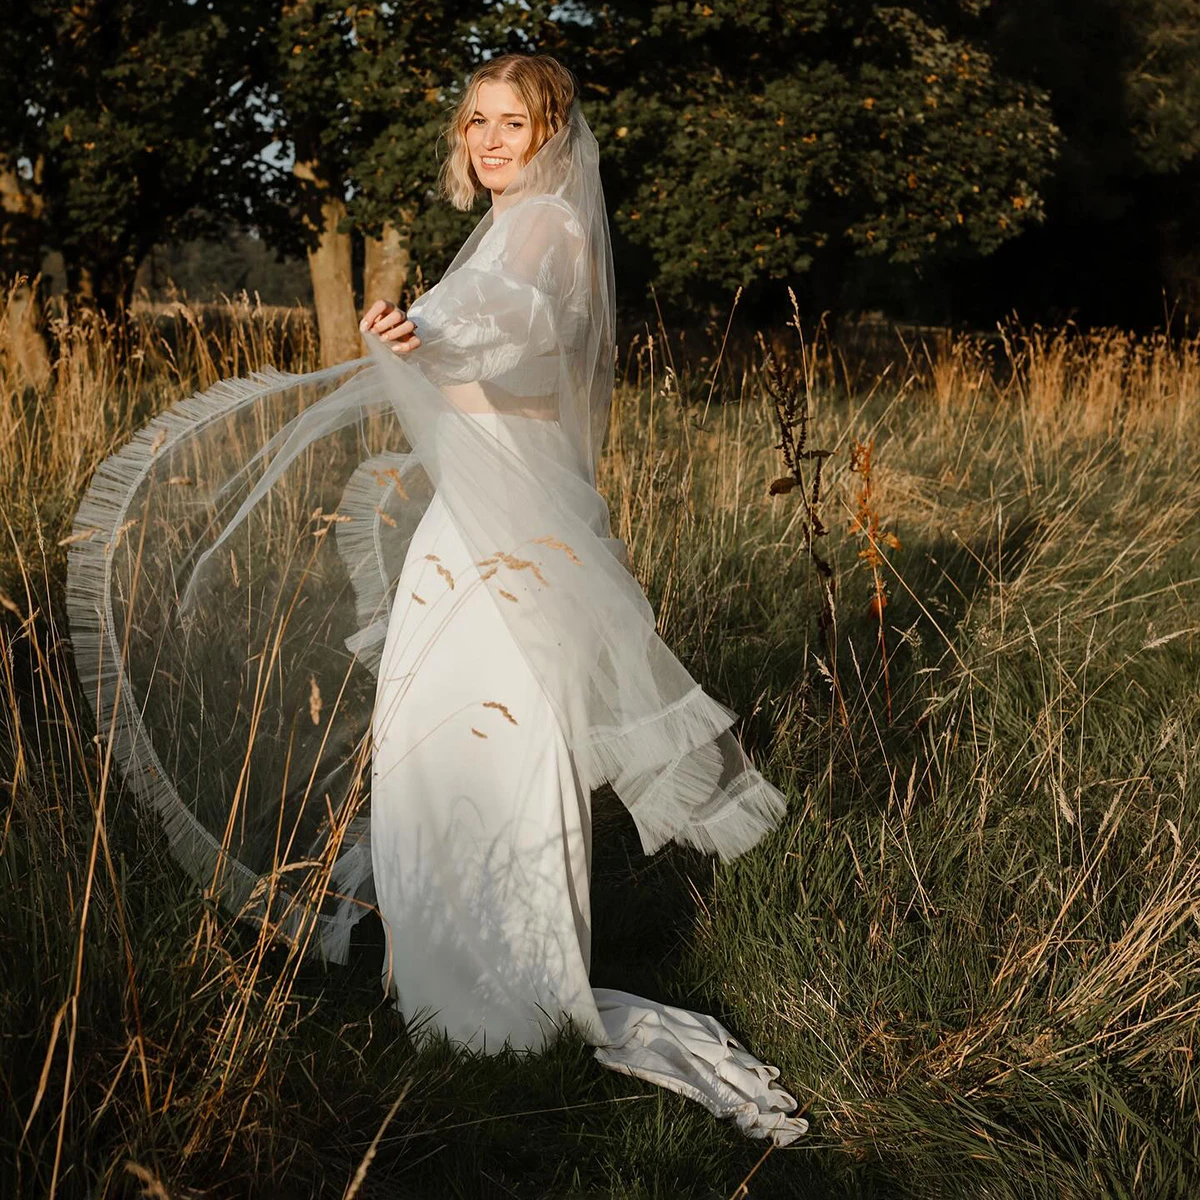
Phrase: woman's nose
[491,135]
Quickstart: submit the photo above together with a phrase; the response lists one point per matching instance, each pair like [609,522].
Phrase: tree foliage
[356,92]
[762,140]
[746,143]
[121,121]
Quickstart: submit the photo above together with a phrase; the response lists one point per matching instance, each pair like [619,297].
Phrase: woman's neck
[500,201]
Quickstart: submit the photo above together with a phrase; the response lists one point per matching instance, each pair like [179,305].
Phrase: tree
[121,129]
[776,139]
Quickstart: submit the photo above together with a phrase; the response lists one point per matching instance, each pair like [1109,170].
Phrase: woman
[516,661]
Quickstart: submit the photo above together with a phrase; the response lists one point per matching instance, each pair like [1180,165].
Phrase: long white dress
[481,844]
[228,644]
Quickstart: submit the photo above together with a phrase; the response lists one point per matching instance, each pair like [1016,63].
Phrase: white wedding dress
[481,843]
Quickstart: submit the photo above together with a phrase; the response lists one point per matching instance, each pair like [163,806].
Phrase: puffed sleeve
[510,302]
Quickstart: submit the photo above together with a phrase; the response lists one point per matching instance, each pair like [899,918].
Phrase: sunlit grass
[974,946]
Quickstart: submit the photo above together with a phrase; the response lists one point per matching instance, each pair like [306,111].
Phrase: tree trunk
[385,267]
[329,267]
[24,344]
[21,205]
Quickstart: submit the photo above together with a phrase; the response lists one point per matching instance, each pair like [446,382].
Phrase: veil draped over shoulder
[235,565]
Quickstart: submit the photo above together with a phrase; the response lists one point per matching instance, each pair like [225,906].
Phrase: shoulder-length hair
[546,88]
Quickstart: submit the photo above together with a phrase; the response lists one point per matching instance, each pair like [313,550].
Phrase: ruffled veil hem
[107,555]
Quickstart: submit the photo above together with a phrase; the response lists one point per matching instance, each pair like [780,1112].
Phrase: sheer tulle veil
[235,564]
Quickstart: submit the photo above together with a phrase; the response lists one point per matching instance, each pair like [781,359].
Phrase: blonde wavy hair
[546,88]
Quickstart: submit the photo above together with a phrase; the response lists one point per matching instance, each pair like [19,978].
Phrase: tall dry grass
[980,934]
[973,946]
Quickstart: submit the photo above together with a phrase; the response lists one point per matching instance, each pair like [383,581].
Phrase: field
[973,948]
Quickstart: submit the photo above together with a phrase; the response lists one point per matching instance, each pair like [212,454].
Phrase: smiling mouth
[489,161]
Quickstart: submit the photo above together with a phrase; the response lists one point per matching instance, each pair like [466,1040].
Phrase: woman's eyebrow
[523,116]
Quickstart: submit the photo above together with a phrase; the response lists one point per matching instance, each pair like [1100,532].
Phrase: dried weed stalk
[790,400]
[866,524]
[791,412]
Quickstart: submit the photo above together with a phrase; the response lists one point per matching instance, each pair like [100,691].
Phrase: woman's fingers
[391,325]
[409,343]
[390,319]
[390,333]
[378,309]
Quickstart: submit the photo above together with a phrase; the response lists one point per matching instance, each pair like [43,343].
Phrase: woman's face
[498,135]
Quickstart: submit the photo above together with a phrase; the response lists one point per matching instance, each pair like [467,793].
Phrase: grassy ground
[973,947]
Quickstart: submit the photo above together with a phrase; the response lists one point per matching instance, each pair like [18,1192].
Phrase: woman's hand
[391,325]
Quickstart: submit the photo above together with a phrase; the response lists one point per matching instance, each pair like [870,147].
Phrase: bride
[500,660]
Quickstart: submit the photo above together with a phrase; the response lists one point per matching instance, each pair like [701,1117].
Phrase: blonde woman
[513,656]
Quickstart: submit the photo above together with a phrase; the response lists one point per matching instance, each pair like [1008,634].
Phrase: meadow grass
[973,947]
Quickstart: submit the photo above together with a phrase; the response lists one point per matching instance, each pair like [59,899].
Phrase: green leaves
[742,144]
[129,110]
[784,133]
